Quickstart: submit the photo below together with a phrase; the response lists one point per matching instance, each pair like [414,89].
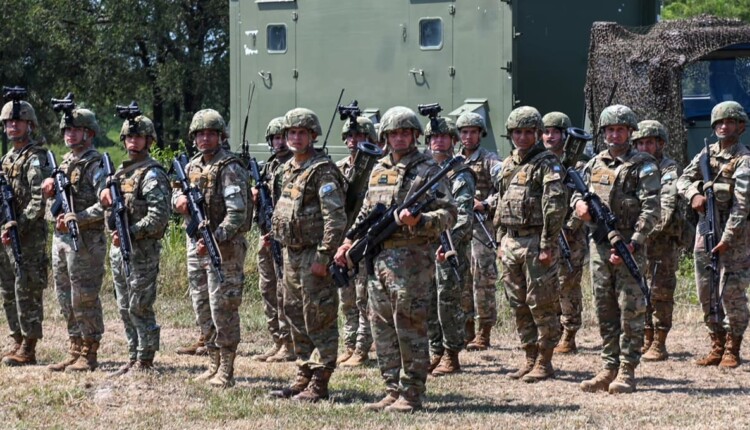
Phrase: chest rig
[130,185]
[83,192]
[482,174]
[616,183]
[15,170]
[521,203]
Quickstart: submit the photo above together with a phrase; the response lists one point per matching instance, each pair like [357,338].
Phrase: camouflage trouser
[446,320]
[571,297]
[399,300]
[136,295]
[478,299]
[78,281]
[310,305]
[661,272]
[531,289]
[348,305]
[353,298]
[732,285]
[216,304]
[364,330]
[23,293]
[271,293]
[620,307]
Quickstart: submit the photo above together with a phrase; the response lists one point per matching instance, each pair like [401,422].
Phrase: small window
[431,33]
[276,38]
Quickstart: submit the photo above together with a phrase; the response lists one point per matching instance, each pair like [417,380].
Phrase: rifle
[480,218]
[606,221]
[381,223]
[335,111]
[562,242]
[265,213]
[63,201]
[708,227]
[119,212]
[8,218]
[446,243]
[198,219]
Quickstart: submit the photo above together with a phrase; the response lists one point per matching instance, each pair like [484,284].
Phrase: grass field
[672,394]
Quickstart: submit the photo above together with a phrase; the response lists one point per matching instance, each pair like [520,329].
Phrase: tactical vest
[136,204]
[521,203]
[673,226]
[269,173]
[723,172]
[618,189]
[482,174]
[84,195]
[15,170]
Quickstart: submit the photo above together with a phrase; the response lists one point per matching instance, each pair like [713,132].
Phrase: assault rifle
[606,221]
[9,219]
[119,213]
[479,218]
[198,220]
[63,201]
[265,213]
[708,227]
[381,223]
[565,252]
[446,243]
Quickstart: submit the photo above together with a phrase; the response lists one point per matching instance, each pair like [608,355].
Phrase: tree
[676,9]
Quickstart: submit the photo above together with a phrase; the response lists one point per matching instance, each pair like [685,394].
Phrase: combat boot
[648,339]
[197,348]
[347,354]
[270,352]
[470,334]
[383,403]
[625,381]
[317,389]
[224,377]
[357,359]
[87,361]
[25,355]
[567,344]
[214,359]
[449,364]
[434,362]
[731,357]
[531,352]
[125,368]
[143,366]
[407,402]
[301,381]
[717,350]
[600,382]
[284,354]
[542,368]
[74,351]
[15,346]
[482,340]
[658,349]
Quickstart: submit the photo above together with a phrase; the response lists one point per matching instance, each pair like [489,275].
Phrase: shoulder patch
[231,190]
[34,162]
[667,177]
[327,189]
[496,169]
[648,168]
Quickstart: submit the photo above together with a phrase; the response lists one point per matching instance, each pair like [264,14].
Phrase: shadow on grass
[456,403]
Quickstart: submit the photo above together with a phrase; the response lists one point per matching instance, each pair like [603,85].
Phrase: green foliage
[167,154]
[677,9]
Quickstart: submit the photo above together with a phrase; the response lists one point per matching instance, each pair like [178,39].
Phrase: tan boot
[142,366]
[347,354]
[25,355]
[482,340]
[542,367]
[448,365]
[284,354]
[214,359]
[625,381]
[383,403]
[197,348]
[434,362]
[74,351]
[359,358]
[531,352]
[301,381]
[648,339]
[125,368]
[567,344]
[470,333]
[224,377]
[717,350]
[407,402]
[270,352]
[87,361]
[13,347]
[731,357]
[600,382]
[317,389]
[658,349]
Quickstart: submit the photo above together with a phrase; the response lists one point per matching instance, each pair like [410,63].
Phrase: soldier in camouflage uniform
[400,275]
[357,331]
[270,287]
[146,190]
[627,181]
[222,179]
[309,221]
[569,277]
[22,285]
[730,167]
[478,301]
[446,319]
[78,275]
[663,245]
[530,214]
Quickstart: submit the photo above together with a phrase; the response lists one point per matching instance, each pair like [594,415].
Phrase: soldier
[663,245]
[730,168]
[222,179]
[446,319]
[571,297]
[78,275]
[309,220]
[479,292]
[270,287]
[627,181]
[146,191]
[22,284]
[530,214]
[357,331]
[401,273]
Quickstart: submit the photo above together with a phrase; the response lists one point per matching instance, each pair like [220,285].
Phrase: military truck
[485,56]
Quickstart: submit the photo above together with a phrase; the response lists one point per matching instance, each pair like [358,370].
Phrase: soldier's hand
[720,248]
[48,187]
[440,255]
[5,237]
[698,203]
[266,238]
[340,257]
[545,257]
[407,218]
[201,247]
[615,259]
[478,205]
[181,205]
[105,198]
[255,194]
[319,270]
[115,239]
[499,252]
[582,210]
[60,224]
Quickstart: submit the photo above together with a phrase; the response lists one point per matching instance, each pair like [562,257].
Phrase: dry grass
[674,394]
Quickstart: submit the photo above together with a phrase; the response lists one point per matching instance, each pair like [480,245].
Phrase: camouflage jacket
[25,171]
[87,179]
[269,173]
[463,187]
[671,222]
[345,166]
[485,165]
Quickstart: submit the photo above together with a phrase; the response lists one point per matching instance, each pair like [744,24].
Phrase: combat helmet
[557,120]
[723,110]
[471,119]
[143,127]
[524,117]
[80,117]
[399,117]
[276,126]
[444,126]
[618,115]
[207,119]
[364,125]
[651,128]
[25,112]
[303,118]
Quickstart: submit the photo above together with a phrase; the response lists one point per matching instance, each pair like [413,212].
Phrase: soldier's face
[552,138]
[16,129]
[728,128]
[401,139]
[523,138]
[135,143]
[650,145]
[299,139]
[279,143]
[470,137]
[441,143]
[207,140]
[617,134]
[74,136]
[352,139]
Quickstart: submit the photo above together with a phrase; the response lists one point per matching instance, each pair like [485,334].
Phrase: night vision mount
[130,113]
[15,94]
[66,105]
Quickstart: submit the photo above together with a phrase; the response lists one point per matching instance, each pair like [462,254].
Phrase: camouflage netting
[645,67]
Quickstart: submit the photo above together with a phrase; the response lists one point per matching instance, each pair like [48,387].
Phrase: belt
[523,232]
[405,242]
